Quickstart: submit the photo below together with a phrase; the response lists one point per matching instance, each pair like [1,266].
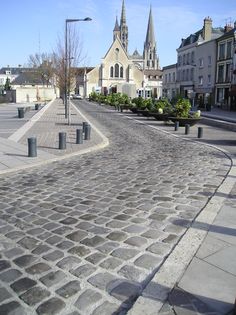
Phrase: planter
[185,121]
[143,112]
[134,110]
[159,117]
[125,107]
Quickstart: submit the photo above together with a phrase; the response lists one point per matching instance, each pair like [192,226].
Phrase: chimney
[228,28]
[207,29]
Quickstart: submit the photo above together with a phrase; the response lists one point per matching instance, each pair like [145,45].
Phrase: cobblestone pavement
[85,235]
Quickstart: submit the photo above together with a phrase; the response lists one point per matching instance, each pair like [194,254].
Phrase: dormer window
[8,71]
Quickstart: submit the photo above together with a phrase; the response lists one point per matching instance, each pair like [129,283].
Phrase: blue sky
[30,26]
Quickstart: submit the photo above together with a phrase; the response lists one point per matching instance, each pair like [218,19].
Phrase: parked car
[77,96]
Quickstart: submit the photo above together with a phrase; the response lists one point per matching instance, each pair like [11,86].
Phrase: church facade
[134,75]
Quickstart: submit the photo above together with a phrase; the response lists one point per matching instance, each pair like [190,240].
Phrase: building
[121,72]
[225,93]
[169,87]
[195,65]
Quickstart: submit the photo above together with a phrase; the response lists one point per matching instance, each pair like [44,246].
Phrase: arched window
[121,72]
[111,72]
[116,70]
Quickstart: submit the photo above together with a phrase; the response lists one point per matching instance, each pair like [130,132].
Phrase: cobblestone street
[86,235]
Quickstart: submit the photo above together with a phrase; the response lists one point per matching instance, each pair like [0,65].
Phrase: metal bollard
[85,123]
[87,132]
[200,132]
[32,147]
[62,140]
[79,136]
[21,112]
[176,125]
[36,106]
[187,129]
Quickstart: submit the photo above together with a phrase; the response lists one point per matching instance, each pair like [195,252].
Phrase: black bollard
[36,106]
[32,147]
[21,112]
[200,132]
[85,123]
[187,129]
[176,125]
[79,136]
[87,132]
[62,140]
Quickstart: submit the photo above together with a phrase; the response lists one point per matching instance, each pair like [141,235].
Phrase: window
[173,76]
[111,72]
[221,74]
[183,75]
[229,49]
[191,74]
[227,75]
[222,51]
[209,60]
[179,60]
[165,78]
[184,60]
[209,79]
[121,72]
[200,80]
[188,55]
[169,77]
[192,57]
[116,70]
[200,62]
[187,74]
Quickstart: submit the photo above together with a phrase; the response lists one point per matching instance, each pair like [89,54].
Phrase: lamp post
[67,66]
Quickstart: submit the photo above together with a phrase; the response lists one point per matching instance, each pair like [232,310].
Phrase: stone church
[135,75]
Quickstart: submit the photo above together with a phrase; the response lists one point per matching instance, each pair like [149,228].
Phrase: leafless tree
[43,65]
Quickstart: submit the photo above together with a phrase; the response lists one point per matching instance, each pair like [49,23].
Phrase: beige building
[118,71]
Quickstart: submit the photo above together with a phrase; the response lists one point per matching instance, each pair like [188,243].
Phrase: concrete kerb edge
[16,136]
[103,144]
[172,270]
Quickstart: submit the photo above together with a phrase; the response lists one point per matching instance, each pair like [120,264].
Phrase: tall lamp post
[67,66]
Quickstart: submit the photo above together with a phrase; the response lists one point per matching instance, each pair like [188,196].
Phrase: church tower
[149,53]
[123,28]
[116,31]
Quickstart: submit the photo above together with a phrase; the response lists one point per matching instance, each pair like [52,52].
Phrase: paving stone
[153,234]
[23,284]
[159,248]
[111,263]
[87,300]
[79,251]
[24,260]
[28,242]
[69,262]
[77,236]
[34,295]
[69,289]
[69,221]
[83,271]
[51,226]
[65,245]
[51,307]
[35,231]
[171,239]
[116,224]
[16,251]
[117,236]
[41,249]
[14,235]
[136,241]
[125,253]
[4,264]
[61,209]
[52,278]
[95,258]
[107,247]
[94,241]
[12,308]
[133,273]
[106,308]
[4,295]
[63,230]
[37,268]
[10,275]
[84,226]
[125,291]
[53,256]
[134,228]
[102,280]
[148,262]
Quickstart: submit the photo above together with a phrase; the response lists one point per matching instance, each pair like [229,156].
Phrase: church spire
[116,31]
[150,37]
[149,53]
[123,27]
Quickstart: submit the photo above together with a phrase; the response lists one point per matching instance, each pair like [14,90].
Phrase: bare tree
[73,58]
[43,65]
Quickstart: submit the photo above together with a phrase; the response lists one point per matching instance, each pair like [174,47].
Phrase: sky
[34,26]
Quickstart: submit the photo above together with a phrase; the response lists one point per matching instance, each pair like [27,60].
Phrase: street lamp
[67,68]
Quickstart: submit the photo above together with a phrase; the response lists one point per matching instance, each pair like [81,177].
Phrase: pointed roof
[150,37]
[123,15]
[117,27]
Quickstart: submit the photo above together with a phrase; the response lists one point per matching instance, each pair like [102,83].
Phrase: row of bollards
[86,131]
[187,129]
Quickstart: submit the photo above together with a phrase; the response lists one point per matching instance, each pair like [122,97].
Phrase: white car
[77,97]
